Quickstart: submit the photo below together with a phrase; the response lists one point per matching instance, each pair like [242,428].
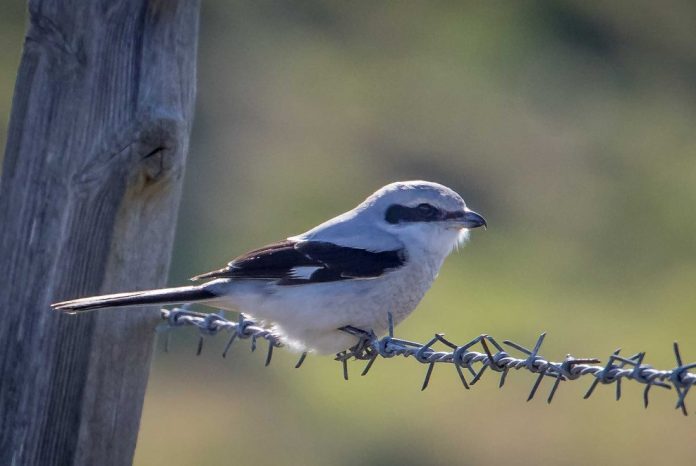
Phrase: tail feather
[184,294]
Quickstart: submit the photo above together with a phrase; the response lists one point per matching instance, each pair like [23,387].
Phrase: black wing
[301,262]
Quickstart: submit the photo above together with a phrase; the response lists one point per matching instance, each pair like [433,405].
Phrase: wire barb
[370,347]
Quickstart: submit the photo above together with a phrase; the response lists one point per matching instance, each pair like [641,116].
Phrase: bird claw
[363,348]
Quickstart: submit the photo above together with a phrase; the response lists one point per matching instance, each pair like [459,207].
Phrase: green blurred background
[568,124]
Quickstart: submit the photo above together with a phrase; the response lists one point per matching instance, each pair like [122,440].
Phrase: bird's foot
[363,348]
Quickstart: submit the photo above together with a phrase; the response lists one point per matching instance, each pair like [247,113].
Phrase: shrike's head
[418,215]
[429,215]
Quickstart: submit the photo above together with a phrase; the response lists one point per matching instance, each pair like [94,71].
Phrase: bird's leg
[362,349]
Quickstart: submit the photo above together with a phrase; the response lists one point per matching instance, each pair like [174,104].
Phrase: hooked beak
[467,219]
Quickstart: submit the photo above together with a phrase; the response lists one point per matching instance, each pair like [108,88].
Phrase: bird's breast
[407,286]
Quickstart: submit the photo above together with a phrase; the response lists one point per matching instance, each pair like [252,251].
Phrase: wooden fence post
[90,186]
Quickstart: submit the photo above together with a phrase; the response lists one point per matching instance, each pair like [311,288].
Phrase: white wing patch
[303,272]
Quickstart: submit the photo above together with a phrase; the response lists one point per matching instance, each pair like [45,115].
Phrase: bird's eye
[424,212]
[427,211]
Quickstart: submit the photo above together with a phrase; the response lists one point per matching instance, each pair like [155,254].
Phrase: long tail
[183,294]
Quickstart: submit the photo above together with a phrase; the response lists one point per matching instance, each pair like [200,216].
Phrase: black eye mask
[398,213]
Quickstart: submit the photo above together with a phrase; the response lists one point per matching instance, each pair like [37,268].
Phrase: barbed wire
[461,357]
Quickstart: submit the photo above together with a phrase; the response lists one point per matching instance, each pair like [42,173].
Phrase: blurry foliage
[569,124]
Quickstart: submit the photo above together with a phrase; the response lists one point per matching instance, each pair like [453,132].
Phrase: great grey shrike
[349,272]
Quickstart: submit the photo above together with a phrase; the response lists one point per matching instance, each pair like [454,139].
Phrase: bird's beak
[467,219]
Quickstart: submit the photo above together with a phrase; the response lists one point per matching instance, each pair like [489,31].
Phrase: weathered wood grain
[88,197]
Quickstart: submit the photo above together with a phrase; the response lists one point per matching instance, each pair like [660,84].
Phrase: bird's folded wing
[293,262]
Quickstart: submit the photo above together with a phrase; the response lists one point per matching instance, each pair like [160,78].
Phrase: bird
[354,272]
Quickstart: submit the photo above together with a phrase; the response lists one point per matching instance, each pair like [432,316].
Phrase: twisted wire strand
[461,357]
